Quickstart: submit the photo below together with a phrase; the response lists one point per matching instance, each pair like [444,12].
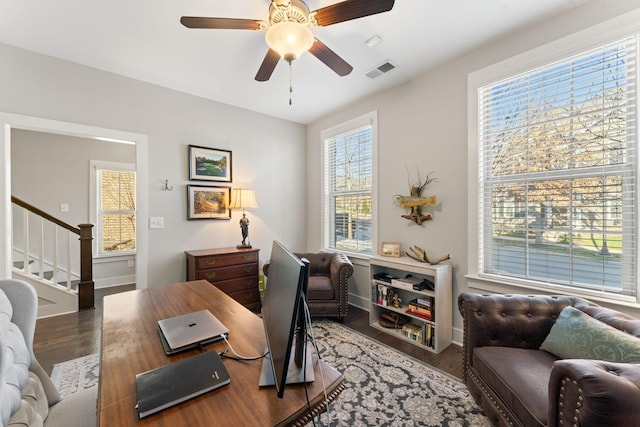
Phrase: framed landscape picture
[391,249]
[208,202]
[209,164]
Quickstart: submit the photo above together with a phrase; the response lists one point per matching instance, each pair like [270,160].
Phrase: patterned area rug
[77,374]
[384,387]
[388,388]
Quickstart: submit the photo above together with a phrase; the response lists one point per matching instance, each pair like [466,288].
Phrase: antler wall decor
[415,201]
[419,254]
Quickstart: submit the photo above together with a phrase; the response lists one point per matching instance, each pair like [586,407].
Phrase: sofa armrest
[594,393]
[340,270]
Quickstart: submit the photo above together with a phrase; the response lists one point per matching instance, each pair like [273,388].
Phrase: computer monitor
[283,316]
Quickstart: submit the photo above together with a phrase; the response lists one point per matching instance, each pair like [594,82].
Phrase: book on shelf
[179,381]
[385,296]
[406,282]
[381,296]
[429,335]
[422,307]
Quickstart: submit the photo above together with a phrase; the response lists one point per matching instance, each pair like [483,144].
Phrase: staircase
[55,257]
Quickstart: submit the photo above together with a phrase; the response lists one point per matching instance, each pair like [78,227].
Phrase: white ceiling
[144,39]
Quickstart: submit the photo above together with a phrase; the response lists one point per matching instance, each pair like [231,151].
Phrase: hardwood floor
[449,360]
[61,338]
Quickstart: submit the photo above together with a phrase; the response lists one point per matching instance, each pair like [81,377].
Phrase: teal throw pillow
[576,335]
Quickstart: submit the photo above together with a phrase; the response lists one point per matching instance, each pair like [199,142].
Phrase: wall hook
[166,186]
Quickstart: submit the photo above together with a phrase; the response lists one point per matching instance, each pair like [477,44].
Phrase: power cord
[236,355]
[315,344]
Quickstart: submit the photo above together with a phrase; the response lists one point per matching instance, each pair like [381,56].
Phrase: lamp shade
[243,198]
[289,39]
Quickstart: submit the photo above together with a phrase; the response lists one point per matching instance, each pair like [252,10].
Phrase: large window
[115,190]
[348,185]
[557,173]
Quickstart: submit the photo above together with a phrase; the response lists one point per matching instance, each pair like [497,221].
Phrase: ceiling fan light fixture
[289,39]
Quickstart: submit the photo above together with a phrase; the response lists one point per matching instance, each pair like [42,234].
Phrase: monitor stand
[295,375]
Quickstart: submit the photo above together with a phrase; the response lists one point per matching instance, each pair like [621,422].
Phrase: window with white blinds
[114,210]
[557,164]
[348,184]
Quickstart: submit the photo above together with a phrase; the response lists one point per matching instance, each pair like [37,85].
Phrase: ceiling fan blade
[220,23]
[268,65]
[351,9]
[330,58]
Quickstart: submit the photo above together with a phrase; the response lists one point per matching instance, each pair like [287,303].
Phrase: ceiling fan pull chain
[290,84]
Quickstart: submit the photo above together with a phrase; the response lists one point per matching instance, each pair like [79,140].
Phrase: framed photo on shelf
[209,164]
[391,249]
[208,202]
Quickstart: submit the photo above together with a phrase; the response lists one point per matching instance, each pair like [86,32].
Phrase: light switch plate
[156,222]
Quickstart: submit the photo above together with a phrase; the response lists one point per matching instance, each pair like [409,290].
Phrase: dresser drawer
[226,273]
[246,298]
[225,260]
[232,270]
[237,285]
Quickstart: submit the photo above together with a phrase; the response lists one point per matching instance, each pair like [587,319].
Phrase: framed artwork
[391,249]
[208,202]
[209,164]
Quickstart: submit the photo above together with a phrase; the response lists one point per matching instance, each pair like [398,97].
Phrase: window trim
[371,119]
[94,165]
[606,32]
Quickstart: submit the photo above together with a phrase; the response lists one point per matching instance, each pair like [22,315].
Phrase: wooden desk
[130,345]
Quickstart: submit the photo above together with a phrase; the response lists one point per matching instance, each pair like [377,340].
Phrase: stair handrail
[86,286]
[44,215]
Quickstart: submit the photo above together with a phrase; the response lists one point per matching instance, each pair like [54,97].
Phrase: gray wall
[49,169]
[267,152]
[424,123]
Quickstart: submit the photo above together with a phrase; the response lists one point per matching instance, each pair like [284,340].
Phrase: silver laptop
[190,330]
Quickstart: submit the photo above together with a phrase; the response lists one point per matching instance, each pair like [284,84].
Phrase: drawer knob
[248,257]
[210,261]
[248,269]
[210,275]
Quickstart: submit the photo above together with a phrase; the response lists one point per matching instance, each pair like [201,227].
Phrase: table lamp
[243,198]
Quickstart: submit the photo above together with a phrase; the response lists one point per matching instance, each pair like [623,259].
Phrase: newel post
[86,286]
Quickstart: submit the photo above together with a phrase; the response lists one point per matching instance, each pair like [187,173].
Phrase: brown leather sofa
[517,384]
[328,293]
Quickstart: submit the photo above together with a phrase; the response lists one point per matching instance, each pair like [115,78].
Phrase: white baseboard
[358,301]
[457,336]
[114,281]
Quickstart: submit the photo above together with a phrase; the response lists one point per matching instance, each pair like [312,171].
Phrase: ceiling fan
[288,34]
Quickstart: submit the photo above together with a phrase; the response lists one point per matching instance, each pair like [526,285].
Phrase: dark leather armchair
[328,291]
[519,384]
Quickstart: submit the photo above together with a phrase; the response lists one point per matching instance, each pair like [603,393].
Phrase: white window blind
[348,183]
[116,210]
[558,170]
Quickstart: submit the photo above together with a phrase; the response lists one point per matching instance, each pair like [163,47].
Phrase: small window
[115,190]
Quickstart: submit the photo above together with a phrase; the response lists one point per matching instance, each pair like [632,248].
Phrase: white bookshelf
[441,321]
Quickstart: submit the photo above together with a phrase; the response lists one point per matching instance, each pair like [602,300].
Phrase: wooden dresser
[233,271]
